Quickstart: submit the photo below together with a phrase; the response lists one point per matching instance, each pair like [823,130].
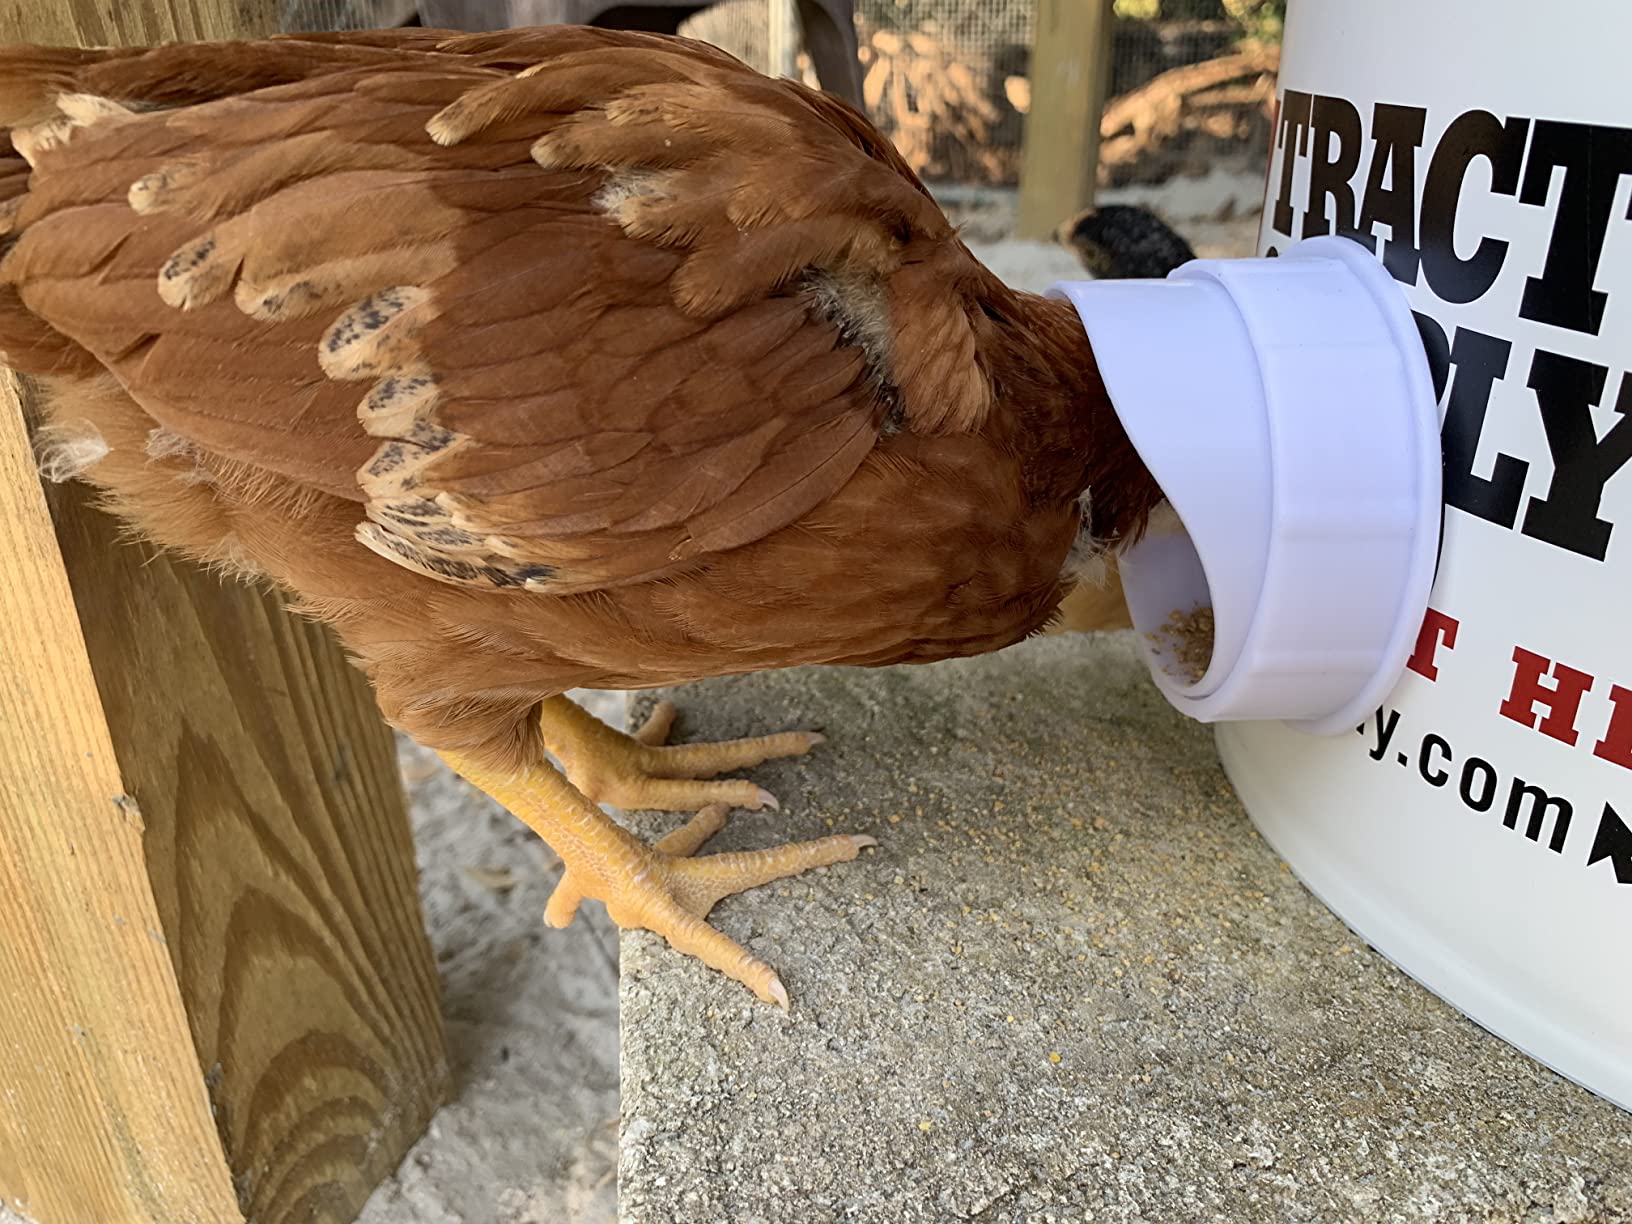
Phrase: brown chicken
[543,359]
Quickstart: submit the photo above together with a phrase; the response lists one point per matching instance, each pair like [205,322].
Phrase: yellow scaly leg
[660,887]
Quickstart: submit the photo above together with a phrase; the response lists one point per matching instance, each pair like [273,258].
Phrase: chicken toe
[677,897]
[640,772]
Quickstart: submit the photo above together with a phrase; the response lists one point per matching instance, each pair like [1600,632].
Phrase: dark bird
[1123,242]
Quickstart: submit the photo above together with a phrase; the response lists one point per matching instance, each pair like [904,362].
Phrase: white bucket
[1478,829]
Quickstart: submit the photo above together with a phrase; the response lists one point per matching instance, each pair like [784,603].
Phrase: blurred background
[1188,87]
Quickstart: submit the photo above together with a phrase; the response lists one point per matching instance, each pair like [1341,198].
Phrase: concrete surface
[1070,984]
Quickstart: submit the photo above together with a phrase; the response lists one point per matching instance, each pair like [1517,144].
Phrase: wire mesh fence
[950,84]
[310,16]
[1191,81]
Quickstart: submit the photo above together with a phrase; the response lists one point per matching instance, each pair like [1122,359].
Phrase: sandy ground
[532,1017]
[531,1134]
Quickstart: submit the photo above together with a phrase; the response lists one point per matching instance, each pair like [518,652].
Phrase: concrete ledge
[1071,984]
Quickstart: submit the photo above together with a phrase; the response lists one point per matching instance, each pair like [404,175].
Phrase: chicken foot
[639,772]
[658,887]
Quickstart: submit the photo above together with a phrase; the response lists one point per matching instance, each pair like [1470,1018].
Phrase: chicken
[544,359]
[1124,242]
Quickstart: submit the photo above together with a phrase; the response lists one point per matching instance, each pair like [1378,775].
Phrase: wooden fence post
[782,27]
[1070,68]
[217,1001]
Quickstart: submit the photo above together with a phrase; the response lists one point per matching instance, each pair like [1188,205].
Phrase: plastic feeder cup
[1285,408]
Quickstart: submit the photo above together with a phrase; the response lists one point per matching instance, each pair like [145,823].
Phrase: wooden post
[783,38]
[1070,66]
[217,1002]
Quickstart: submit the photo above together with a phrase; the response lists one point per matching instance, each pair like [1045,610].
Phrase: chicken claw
[639,772]
[660,887]
[683,890]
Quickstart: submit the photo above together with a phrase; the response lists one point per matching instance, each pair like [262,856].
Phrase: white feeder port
[1286,409]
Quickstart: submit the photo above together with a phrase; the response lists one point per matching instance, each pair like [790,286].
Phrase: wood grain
[1095,607]
[279,871]
[216,997]
[105,1114]
[1070,67]
[116,23]
[282,865]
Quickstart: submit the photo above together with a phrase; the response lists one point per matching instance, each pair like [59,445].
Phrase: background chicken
[1125,242]
[546,359]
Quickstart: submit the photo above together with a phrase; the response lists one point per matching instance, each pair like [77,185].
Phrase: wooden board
[104,1116]
[1094,607]
[282,867]
[783,38]
[116,23]
[264,869]
[216,996]
[1070,60]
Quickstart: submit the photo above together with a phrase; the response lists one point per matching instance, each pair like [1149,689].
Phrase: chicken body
[546,359]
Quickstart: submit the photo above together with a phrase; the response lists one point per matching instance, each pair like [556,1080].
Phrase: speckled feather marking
[647,137]
[407,524]
[75,111]
[262,202]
